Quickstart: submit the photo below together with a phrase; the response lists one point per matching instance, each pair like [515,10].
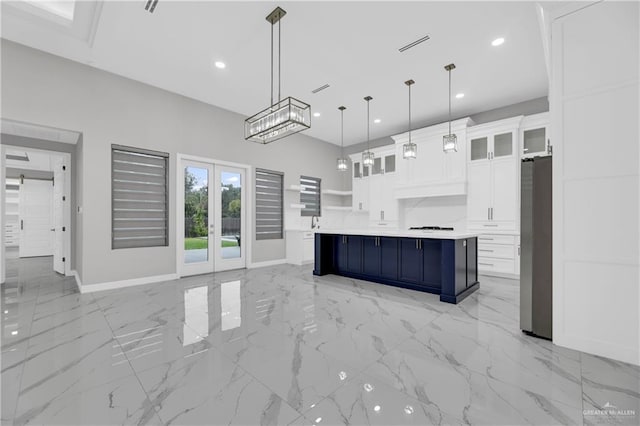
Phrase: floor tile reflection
[280,346]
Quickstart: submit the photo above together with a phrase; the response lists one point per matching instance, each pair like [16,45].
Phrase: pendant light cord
[449,102]
[279,61]
[368,125]
[342,133]
[279,56]
[271,65]
[409,113]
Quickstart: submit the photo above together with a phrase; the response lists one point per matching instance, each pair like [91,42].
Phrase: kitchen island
[439,262]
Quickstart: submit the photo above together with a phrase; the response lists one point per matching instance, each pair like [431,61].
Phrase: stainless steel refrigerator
[535,247]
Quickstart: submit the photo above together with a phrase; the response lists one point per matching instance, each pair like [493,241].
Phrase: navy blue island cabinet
[444,266]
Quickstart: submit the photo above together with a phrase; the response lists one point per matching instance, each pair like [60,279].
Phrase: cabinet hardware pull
[416,244]
[485,239]
[490,225]
[488,214]
[490,251]
[518,250]
[485,264]
[491,213]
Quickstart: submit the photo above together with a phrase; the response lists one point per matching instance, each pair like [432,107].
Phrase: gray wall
[33,143]
[44,89]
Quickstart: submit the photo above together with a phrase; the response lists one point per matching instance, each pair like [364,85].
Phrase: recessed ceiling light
[316,114]
[497,42]
[220,65]
[460,96]
[377,121]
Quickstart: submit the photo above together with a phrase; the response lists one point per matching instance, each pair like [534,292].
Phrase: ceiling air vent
[319,89]
[24,157]
[414,43]
[151,5]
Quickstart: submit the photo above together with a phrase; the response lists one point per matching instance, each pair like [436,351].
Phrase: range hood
[440,189]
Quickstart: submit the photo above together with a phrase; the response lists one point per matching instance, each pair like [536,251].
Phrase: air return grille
[414,43]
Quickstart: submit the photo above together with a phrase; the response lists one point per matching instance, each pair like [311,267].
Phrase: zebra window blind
[269,204]
[310,196]
[139,198]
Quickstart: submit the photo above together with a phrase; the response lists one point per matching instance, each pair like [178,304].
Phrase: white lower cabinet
[300,246]
[498,254]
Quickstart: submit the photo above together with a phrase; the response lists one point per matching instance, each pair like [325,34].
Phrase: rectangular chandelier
[281,119]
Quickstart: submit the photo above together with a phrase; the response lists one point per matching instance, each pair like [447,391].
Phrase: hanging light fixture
[343,165]
[409,149]
[284,117]
[367,156]
[450,141]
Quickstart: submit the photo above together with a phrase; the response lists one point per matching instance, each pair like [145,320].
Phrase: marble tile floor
[278,346]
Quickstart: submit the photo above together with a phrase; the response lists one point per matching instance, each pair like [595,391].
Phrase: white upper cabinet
[359,184]
[534,134]
[373,187]
[493,171]
[433,172]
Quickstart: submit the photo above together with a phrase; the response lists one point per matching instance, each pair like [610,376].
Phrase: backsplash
[439,211]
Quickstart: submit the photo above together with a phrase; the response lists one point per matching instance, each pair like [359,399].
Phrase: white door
[229,218]
[59,171]
[197,239]
[36,218]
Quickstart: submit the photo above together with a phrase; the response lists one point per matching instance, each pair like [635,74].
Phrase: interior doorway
[212,216]
[36,198]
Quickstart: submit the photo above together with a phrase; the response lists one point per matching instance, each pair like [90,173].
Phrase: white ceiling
[353,46]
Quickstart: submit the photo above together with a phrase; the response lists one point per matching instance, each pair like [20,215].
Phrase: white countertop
[376,232]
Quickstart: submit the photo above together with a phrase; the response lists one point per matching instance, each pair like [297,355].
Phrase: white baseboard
[500,275]
[75,274]
[267,263]
[111,285]
[601,348]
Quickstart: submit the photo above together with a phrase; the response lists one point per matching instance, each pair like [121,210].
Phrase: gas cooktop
[430,228]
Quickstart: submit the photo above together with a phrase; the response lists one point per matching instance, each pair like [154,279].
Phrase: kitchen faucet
[314,222]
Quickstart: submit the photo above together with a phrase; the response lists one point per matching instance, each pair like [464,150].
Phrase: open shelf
[336,192]
[343,208]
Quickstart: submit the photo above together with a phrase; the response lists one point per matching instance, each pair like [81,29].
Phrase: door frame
[248,217]
[66,212]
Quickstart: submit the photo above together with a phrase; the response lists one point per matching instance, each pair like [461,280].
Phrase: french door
[213,218]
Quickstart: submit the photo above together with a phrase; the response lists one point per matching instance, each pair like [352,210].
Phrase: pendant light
[343,165]
[450,141]
[367,156]
[409,149]
[284,117]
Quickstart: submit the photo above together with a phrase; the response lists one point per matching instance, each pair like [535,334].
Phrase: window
[139,198]
[310,196]
[269,201]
